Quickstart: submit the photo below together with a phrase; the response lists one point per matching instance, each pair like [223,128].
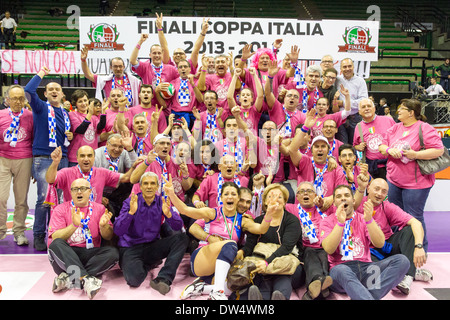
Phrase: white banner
[108,37]
[31,61]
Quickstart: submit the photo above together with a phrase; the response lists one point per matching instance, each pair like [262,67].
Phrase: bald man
[76,230]
[407,240]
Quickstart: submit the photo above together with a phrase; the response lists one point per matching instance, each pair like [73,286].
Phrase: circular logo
[104,32]
[357,35]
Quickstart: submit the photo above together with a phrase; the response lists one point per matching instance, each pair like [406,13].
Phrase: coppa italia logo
[104,37]
[357,40]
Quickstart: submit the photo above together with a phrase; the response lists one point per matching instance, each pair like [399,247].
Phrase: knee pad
[228,252]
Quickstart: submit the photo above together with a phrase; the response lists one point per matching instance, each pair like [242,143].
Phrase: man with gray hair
[140,244]
[309,91]
[358,91]
[117,156]
[16,130]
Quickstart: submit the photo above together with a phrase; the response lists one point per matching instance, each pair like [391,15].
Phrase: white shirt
[435,89]
[358,90]
[9,23]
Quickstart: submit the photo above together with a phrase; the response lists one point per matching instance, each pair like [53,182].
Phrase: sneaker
[62,282]
[91,285]
[39,243]
[217,295]
[21,240]
[193,290]
[161,285]
[254,293]
[314,288]
[405,285]
[277,295]
[423,275]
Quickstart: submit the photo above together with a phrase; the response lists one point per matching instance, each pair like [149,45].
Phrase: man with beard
[51,130]
[347,236]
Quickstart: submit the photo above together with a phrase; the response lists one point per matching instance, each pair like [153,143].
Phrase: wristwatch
[419,245]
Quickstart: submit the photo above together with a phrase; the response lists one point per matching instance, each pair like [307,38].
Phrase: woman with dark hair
[218,246]
[408,187]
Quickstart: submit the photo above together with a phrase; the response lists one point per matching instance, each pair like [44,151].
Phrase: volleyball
[167,93]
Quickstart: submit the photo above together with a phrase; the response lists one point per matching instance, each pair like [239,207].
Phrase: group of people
[211,160]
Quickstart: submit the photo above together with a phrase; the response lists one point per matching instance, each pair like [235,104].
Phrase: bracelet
[267,264]
[202,34]
[269,77]
[138,46]
[146,163]
[369,222]
[267,220]
[340,224]
[360,190]
[305,129]
[195,202]
[206,240]
[160,29]
[75,225]
[185,177]
[203,70]
[387,150]
[83,60]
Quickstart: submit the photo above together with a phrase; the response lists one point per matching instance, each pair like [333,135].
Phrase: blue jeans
[369,280]
[413,202]
[42,211]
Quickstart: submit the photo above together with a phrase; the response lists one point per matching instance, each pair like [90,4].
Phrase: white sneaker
[193,290]
[21,240]
[91,286]
[217,295]
[423,275]
[62,282]
[405,285]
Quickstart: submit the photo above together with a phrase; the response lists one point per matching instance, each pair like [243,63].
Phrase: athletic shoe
[21,240]
[423,275]
[62,282]
[217,295]
[39,243]
[161,285]
[405,285]
[192,290]
[254,293]
[91,285]
[277,295]
[314,288]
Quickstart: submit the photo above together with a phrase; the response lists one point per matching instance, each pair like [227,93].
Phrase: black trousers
[315,265]
[402,242]
[73,260]
[136,261]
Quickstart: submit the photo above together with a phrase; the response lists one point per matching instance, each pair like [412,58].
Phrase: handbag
[240,275]
[433,165]
[284,265]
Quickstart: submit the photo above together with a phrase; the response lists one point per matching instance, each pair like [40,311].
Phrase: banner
[108,37]
[31,61]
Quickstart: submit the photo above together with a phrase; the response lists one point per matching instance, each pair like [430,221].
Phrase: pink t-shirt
[278,116]
[268,158]
[119,84]
[174,102]
[250,116]
[208,189]
[316,130]
[217,226]
[316,219]
[217,132]
[224,147]
[220,86]
[89,138]
[334,148]
[387,215]
[145,70]
[359,237]
[193,68]
[373,133]
[62,217]
[100,178]
[408,175]
[23,148]
[331,179]
[162,123]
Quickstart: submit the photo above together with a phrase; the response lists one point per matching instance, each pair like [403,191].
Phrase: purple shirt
[145,225]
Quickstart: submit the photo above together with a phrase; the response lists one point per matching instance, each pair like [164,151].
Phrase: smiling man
[51,129]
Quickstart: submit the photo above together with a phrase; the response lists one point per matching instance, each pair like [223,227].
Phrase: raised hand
[106,217]
[133,204]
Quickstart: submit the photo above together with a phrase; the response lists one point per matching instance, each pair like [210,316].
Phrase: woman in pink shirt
[408,187]
[85,126]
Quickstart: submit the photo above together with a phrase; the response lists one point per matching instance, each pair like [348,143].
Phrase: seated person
[75,232]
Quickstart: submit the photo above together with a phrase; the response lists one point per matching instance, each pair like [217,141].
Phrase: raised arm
[135,52]
[84,66]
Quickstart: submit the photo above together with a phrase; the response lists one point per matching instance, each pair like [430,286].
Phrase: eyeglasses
[78,189]
[327,61]
[20,99]
[300,191]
